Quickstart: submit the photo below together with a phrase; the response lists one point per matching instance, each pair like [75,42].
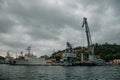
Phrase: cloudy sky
[47,25]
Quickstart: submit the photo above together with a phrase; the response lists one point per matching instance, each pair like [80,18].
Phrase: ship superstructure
[69,56]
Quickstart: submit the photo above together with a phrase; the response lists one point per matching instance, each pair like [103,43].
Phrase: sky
[46,25]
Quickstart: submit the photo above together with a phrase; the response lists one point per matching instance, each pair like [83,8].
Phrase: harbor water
[10,72]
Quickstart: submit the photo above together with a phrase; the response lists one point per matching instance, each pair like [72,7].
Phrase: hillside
[104,51]
[107,51]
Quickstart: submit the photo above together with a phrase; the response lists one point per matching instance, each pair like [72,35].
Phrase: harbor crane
[89,41]
[69,47]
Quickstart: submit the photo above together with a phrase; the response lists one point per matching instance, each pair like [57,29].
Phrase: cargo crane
[69,47]
[89,41]
[69,56]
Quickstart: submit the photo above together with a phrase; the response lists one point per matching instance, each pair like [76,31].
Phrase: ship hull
[30,61]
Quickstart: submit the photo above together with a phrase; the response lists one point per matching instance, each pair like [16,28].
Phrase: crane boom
[69,47]
[89,41]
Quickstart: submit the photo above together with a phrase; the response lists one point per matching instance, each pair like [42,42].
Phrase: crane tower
[89,41]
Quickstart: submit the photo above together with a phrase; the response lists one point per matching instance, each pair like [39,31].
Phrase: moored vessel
[28,59]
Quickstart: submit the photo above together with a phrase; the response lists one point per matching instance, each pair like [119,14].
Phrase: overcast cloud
[48,24]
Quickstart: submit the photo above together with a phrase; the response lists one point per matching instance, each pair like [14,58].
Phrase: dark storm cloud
[5,25]
[50,23]
[40,19]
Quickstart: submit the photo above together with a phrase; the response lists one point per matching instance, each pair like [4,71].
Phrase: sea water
[12,72]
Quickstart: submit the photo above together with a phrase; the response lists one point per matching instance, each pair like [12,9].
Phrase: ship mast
[29,48]
[89,41]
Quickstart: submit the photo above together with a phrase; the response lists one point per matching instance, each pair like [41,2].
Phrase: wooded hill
[107,51]
[104,51]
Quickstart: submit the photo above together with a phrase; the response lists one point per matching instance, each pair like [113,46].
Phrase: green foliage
[57,58]
[2,57]
[107,51]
